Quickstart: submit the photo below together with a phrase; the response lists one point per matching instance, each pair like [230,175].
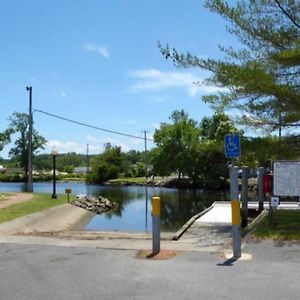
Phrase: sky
[97,62]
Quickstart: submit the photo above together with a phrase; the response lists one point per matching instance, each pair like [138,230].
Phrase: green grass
[287,226]
[37,203]
[138,180]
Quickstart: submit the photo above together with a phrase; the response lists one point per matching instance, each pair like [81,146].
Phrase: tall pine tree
[262,79]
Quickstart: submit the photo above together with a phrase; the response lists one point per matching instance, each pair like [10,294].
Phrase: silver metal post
[245,176]
[261,196]
[235,211]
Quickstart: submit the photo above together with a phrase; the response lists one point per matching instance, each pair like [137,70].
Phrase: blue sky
[97,62]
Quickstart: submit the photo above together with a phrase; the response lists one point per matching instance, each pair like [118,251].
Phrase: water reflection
[132,212]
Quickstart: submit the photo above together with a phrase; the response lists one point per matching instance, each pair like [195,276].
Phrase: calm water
[133,211]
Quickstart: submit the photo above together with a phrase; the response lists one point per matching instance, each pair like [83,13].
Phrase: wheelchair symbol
[231,146]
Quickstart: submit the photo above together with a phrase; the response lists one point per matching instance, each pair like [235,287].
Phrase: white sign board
[286,176]
[274,201]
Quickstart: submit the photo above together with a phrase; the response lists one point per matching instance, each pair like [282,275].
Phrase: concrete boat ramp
[213,228]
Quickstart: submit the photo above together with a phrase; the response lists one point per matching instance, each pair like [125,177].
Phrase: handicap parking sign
[232,145]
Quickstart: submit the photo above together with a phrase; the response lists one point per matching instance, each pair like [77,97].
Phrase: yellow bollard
[155,225]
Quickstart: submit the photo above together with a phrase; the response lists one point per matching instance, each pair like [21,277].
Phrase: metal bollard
[245,175]
[155,225]
[261,196]
[235,211]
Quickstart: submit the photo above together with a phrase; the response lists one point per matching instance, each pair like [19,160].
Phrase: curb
[190,222]
[254,223]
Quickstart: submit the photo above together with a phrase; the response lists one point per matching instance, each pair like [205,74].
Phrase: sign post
[232,150]
[68,192]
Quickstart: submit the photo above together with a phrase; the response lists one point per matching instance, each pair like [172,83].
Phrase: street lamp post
[29,175]
[54,153]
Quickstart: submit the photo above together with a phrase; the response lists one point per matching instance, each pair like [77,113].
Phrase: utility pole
[146,156]
[29,175]
[146,175]
[87,159]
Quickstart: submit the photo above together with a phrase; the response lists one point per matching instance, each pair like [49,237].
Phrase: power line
[92,126]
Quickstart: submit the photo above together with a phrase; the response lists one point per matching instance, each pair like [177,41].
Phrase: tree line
[184,148]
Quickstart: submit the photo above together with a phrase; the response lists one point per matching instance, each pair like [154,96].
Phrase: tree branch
[287,14]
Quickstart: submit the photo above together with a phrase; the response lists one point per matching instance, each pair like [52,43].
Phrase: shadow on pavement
[228,263]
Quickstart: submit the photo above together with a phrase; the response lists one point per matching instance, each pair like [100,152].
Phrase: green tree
[4,138]
[71,160]
[262,151]
[19,125]
[211,161]
[212,165]
[106,165]
[158,162]
[177,143]
[262,77]
[214,128]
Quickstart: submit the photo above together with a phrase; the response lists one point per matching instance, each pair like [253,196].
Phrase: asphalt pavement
[35,272]
[91,265]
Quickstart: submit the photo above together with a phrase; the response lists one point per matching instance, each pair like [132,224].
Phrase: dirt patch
[11,199]
[162,254]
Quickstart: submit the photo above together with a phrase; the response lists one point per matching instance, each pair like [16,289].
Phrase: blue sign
[232,145]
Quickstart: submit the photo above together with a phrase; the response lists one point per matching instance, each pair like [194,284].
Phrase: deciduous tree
[106,165]
[177,143]
[19,126]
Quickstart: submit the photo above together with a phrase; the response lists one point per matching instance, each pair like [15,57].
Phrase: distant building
[81,170]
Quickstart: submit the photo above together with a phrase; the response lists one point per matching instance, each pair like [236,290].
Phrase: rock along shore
[97,205]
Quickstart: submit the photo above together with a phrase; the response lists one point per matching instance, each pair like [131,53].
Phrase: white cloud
[103,51]
[64,147]
[156,80]
[96,144]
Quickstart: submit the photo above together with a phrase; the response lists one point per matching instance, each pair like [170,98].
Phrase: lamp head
[54,151]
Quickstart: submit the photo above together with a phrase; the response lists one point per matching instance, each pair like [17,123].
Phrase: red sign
[267,183]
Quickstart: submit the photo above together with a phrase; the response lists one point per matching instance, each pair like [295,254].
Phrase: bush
[14,177]
[103,172]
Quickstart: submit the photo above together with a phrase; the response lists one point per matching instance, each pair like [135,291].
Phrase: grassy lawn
[287,226]
[138,180]
[37,203]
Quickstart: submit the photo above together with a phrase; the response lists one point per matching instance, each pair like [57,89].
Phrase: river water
[133,211]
